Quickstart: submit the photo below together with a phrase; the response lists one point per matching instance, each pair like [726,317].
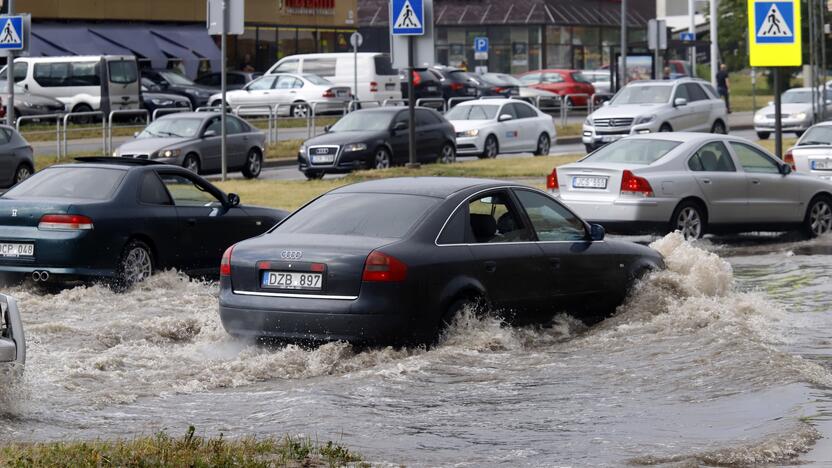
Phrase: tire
[313,175]
[689,218]
[453,311]
[381,159]
[253,164]
[447,155]
[23,172]
[719,128]
[665,128]
[84,119]
[299,111]
[589,148]
[543,145]
[134,265]
[818,219]
[491,148]
[191,163]
[763,135]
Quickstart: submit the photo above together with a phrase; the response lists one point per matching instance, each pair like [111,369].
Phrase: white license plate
[431,88]
[822,165]
[389,86]
[610,138]
[472,91]
[292,280]
[16,250]
[589,182]
[341,93]
[321,159]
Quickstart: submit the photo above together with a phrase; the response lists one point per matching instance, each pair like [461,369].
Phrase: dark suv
[456,82]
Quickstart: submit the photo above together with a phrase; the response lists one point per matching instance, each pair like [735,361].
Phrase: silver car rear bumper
[621,210]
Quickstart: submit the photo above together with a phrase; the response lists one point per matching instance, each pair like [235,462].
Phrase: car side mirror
[154,87]
[597,232]
[680,102]
[209,133]
[326,129]
[785,169]
[232,200]
[399,126]
[605,103]
[504,117]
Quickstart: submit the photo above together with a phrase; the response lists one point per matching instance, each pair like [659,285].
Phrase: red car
[562,83]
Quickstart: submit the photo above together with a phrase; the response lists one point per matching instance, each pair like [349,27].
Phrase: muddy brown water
[722,359]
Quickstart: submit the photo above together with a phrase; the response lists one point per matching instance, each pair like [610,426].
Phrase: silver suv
[12,342]
[685,104]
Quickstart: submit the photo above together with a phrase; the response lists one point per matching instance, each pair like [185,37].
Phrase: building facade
[523,34]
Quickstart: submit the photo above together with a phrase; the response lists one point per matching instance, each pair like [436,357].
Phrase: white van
[76,81]
[377,79]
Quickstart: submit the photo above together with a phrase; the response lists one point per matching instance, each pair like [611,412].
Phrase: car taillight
[381,267]
[225,263]
[373,87]
[65,222]
[329,94]
[552,181]
[456,86]
[498,89]
[788,158]
[634,185]
[417,80]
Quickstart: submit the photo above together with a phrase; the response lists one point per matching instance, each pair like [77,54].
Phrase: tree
[733,30]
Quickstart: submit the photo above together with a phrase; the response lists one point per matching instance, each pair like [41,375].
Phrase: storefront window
[520,41]
[558,35]
[585,36]
[266,48]
[327,39]
[286,42]
[456,47]
[558,56]
[307,43]
[246,48]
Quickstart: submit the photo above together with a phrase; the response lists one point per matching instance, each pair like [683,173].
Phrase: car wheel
[491,148]
[300,110]
[589,148]
[763,135]
[453,311]
[191,163]
[447,155]
[689,219]
[254,164]
[22,173]
[665,128]
[313,175]
[543,145]
[135,264]
[818,217]
[719,128]
[84,119]
[381,159]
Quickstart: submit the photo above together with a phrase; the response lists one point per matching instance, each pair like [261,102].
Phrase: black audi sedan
[120,220]
[377,139]
[348,267]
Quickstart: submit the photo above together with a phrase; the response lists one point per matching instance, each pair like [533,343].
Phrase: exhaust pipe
[44,276]
[40,275]
[36,276]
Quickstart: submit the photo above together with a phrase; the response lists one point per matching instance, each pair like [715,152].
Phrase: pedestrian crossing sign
[407,17]
[11,32]
[774,33]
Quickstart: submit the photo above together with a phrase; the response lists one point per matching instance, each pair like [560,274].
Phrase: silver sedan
[192,140]
[695,183]
[12,342]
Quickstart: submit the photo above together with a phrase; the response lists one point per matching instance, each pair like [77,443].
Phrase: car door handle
[191,221]
[755,181]
[554,263]
[706,181]
[490,266]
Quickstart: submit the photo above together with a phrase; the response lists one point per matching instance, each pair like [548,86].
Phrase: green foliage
[733,28]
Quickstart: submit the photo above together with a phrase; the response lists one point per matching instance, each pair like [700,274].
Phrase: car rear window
[383,66]
[821,135]
[89,183]
[633,151]
[359,214]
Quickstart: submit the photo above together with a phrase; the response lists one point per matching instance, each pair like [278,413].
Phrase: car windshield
[176,78]
[362,121]
[642,95]
[359,214]
[579,77]
[172,128]
[501,79]
[316,80]
[90,183]
[797,97]
[821,135]
[632,151]
[472,112]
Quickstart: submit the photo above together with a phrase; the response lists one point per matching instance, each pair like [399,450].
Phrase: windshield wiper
[171,134]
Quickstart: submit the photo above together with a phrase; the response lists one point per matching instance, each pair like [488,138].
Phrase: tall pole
[10,76]
[223,86]
[692,30]
[714,41]
[823,60]
[778,127]
[623,44]
[411,105]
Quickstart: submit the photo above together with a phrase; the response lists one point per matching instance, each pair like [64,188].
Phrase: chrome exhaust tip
[36,275]
[44,276]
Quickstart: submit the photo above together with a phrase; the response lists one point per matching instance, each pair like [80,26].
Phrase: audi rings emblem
[321,150]
[291,254]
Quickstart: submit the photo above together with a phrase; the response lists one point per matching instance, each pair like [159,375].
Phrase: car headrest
[506,223]
[483,226]
[708,160]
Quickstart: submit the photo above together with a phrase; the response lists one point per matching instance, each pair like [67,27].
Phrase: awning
[134,37]
[78,40]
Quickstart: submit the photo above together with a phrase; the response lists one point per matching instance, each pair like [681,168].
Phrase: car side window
[214,125]
[524,111]
[285,82]
[681,93]
[752,160]
[423,118]
[531,78]
[187,193]
[232,125]
[494,219]
[288,66]
[508,109]
[297,84]
[152,191]
[5,136]
[712,157]
[695,92]
[20,70]
[455,229]
[552,78]
[551,220]
[267,82]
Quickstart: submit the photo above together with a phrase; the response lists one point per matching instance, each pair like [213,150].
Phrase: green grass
[284,149]
[290,195]
[190,450]
[769,144]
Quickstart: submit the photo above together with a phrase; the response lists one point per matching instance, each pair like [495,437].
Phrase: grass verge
[284,149]
[163,450]
[290,195]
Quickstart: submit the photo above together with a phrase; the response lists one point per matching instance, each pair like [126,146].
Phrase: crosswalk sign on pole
[774,33]
[11,32]
[407,17]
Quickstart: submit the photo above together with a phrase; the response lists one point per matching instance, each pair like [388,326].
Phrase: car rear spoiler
[11,328]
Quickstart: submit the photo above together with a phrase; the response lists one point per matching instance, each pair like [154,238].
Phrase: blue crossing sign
[407,17]
[11,33]
[687,37]
[774,22]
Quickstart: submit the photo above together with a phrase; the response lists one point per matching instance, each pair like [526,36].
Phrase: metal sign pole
[411,106]
[623,81]
[778,127]
[10,76]
[223,85]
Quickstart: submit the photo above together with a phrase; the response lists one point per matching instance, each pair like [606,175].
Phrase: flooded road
[722,359]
